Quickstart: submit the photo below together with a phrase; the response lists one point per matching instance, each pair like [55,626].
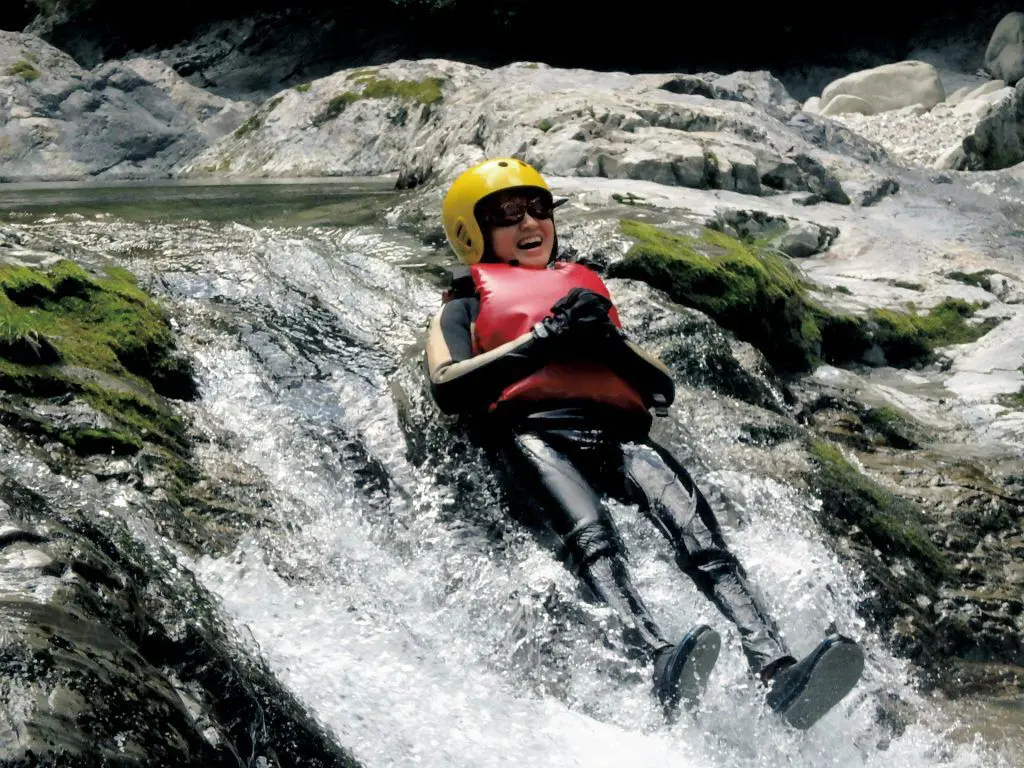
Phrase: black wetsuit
[558,459]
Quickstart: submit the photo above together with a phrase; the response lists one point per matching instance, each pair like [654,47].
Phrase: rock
[747,224]
[958,95]
[760,88]
[812,105]
[890,86]
[985,89]
[831,135]
[805,173]
[134,119]
[1007,290]
[844,103]
[997,141]
[979,106]
[805,238]
[1004,56]
[875,191]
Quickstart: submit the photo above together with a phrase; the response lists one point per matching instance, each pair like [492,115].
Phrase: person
[529,352]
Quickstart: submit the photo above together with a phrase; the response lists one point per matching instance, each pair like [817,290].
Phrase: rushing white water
[414,621]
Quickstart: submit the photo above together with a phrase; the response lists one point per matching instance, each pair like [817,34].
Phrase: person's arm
[646,373]
[461,381]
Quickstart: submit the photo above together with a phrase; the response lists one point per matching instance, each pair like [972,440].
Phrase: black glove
[580,317]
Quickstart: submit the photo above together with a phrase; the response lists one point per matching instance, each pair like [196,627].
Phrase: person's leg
[668,495]
[557,477]
[548,489]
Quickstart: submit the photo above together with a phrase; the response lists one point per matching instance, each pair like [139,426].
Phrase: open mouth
[529,243]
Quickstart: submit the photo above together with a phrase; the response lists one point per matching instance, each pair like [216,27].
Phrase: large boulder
[888,87]
[130,119]
[997,141]
[1004,57]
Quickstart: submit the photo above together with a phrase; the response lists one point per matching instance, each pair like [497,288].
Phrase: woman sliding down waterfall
[529,351]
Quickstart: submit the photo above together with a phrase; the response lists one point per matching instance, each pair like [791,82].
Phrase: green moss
[893,525]
[23,285]
[1015,400]
[908,338]
[335,106]
[303,87]
[252,123]
[106,441]
[100,338]
[908,286]
[977,279]
[426,91]
[104,323]
[545,125]
[629,198]
[24,69]
[891,427]
[752,293]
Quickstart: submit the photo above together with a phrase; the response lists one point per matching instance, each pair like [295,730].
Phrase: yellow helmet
[465,235]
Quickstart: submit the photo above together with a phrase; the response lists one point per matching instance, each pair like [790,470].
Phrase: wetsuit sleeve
[648,375]
[460,381]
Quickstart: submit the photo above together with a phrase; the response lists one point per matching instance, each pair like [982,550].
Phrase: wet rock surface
[111,653]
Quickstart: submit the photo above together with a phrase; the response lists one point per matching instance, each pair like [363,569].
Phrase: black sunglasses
[512,210]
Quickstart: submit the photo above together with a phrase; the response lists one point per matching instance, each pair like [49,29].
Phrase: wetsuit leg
[541,472]
[668,495]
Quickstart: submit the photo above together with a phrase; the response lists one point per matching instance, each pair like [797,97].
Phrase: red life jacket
[512,301]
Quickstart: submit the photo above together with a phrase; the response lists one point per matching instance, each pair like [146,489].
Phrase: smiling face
[521,227]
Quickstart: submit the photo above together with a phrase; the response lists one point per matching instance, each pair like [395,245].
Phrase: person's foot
[681,671]
[804,691]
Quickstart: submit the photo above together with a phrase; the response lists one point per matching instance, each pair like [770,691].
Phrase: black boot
[681,671]
[804,691]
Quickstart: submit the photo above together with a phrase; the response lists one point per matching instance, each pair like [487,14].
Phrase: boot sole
[833,675]
[700,660]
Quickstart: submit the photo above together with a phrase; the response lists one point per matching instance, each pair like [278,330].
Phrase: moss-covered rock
[893,525]
[100,340]
[368,86]
[908,338]
[887,536]
[754,292]
[24,69]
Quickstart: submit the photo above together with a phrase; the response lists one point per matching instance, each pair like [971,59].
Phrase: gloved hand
[579,317]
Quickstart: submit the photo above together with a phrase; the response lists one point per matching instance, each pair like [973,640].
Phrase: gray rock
[846,103]
[110,658]
[805,238]
[997,141]
[133,119]
[1004,56]
[890,86]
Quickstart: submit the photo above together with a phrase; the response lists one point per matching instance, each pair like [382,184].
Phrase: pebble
[915,140]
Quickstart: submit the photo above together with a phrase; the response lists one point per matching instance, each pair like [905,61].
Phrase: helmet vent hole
[503,164]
